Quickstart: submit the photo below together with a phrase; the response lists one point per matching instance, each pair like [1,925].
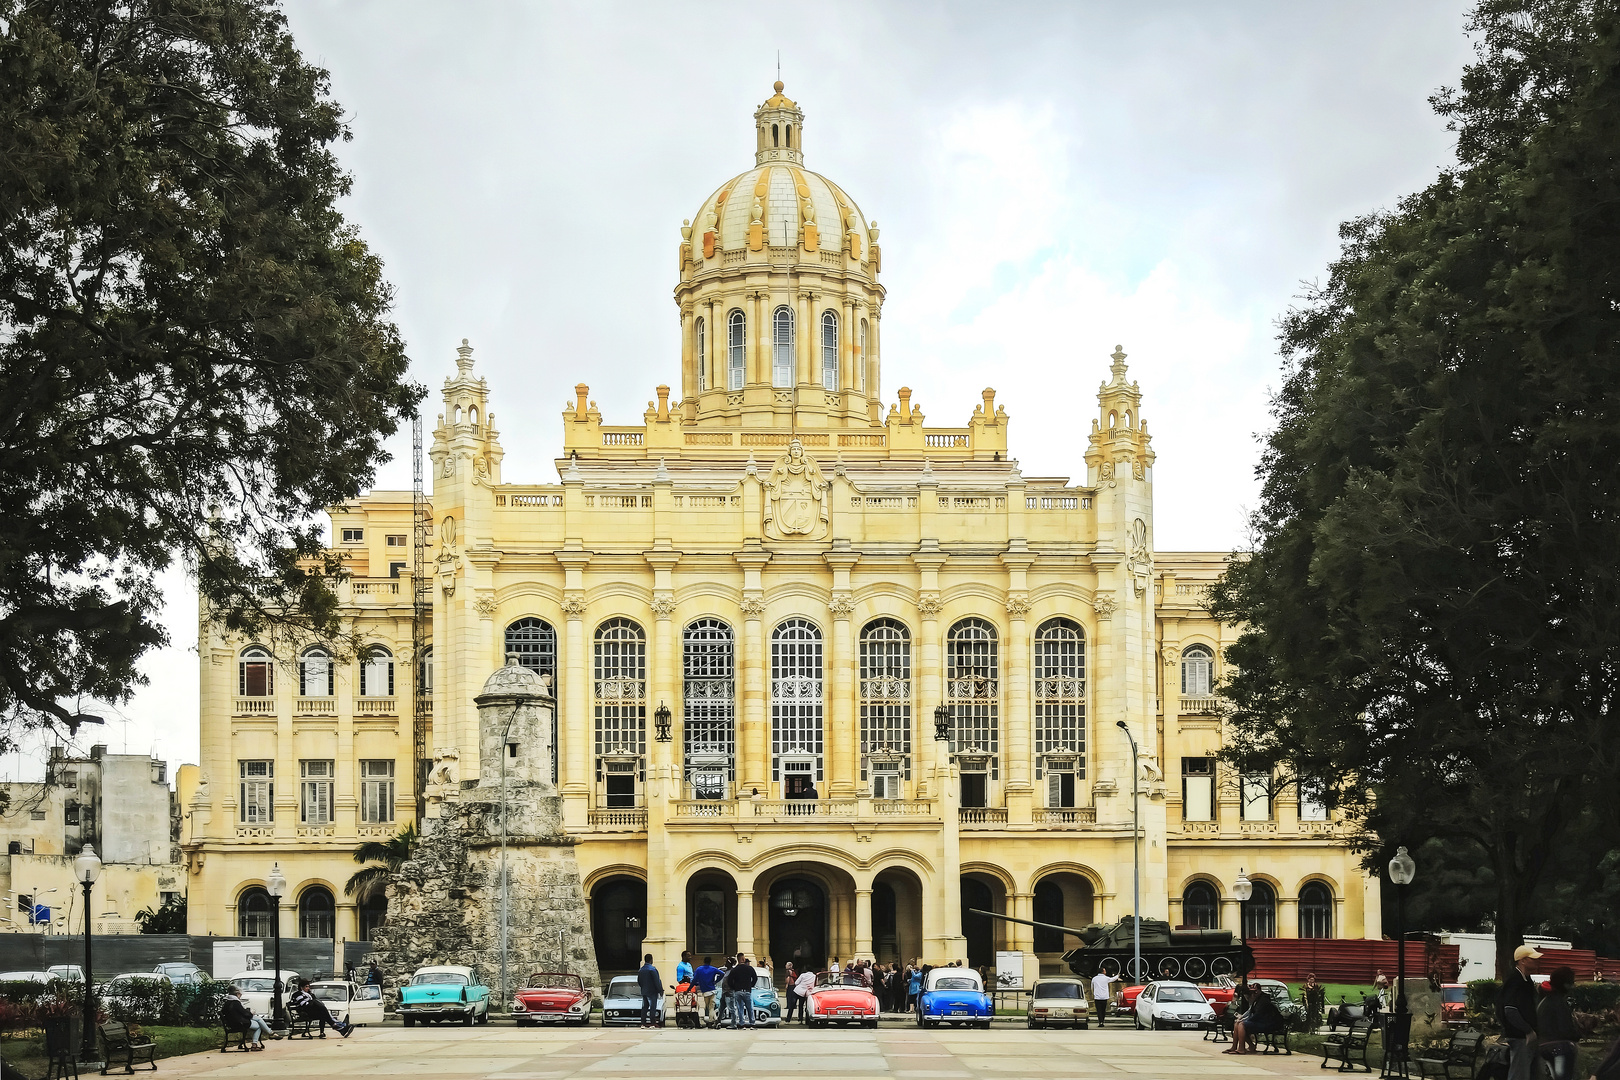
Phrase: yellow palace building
[761,607]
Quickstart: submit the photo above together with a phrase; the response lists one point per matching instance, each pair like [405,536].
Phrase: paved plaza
[507,1053]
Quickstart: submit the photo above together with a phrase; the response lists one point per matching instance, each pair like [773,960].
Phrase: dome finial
[778,87]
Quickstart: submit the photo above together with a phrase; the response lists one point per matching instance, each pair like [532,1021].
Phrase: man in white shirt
[1102,989]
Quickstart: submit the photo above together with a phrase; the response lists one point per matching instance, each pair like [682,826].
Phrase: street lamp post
[1243,888]
[278,887]
[1136,857]
[1401,871]
[86,868]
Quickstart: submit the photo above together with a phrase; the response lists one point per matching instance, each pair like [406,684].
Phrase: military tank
[1193,955]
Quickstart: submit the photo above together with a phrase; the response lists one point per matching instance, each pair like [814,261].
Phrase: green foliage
[1432,610]
[1594,997]
[1482,995]
[193,341]
[169,918]
[392,854]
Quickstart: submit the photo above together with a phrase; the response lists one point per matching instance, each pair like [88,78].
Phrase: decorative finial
[1119,354]
[928,467]
[662,473]
[753,466]
[464,360]
[779,86]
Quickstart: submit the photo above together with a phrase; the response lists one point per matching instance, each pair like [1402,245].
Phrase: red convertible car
[840,999]
[552,998]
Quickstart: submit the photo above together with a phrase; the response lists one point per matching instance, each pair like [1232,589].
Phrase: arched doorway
[896,916]
[1062,899]
[618,923]
[798,913]
[984,935]
[711,915]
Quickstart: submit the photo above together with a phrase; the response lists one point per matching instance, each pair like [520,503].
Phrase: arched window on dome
[776,135]
[782,346]
[829,350]
[702,356]
[736,338]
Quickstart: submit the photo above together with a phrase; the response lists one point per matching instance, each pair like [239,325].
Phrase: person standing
[373,975]
[740,992]
[806,981]
[913,984]
[1556,1033]
[683,969]
[1102,990]
[706,976]
[652,985]
[790,975]
[1516,1012]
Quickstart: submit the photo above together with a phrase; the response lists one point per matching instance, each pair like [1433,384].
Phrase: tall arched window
[424,669]
[377,672]
[621,688]
[1197,671]
[1060,709]
[1260,913]
[253,913]
[315,673]
[373,913]
[736,349]
[782,347]
[972,689]
[829,350]
[709,692]
[1201,906]
[316,912]
[796,702]
[702,339]
[885,706]
[534,643]
[1315,910]
[255,673]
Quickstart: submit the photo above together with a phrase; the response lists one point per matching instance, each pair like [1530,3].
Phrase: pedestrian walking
[1102,991]
[1557,1036]
[1516,1012]
[651,987]
[706,976]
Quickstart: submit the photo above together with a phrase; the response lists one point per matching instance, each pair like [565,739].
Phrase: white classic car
[350,1003]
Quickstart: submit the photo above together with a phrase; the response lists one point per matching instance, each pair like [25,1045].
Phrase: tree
[392,853]
[169,918]
[194,346]
[1431,610]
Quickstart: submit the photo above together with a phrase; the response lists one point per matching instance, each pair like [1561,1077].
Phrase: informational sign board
[235,957]
[1010,970]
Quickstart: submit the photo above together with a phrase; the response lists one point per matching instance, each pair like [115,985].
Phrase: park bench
[1348,1044]
[235,1038]
[119,1042]
[1271,1039]
[307,1025]
[1461,1053]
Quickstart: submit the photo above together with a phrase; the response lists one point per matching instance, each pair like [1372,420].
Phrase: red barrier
[1345,960]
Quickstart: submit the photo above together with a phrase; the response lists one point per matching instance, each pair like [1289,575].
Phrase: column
[689,360]
[759,366]
[846,365]
[863,921]
[576,727]
[712,336]
[874,370]
[1019,790]
[805,338]
[845,749]
[753,770]
[1022,937]
[1288,916]
[745,920]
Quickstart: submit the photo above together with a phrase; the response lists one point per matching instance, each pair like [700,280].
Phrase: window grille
[782,347]
[1260,913]
[1315,910]
[376,791]
[1197,667]
[377,673]
[972,688]
[737,346]
[257,801]
[315,792]
[316,913]
[621,688]
[315,674]
[797,704]
[886,694]
[253,912]
[709,699]
[1060,690]
[1200,906]
[255,673]
[829,350]
[534,642]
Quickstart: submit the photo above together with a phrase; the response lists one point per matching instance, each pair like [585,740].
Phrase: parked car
[840,998]
[1292,1011]
[444,992]
[953,995]
[767,1003]
[1220,993]
[621,1002]
[1059,1003]
[1172,1005]
[257,989]
[131,993]
[1454,1004]
[182,973]
[552,997]
[27,976]
[350,1003]
[69,972]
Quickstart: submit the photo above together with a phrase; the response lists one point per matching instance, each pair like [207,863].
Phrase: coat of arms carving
[795,497]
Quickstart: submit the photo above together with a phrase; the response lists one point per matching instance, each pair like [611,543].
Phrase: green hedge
[143,1002]
[1592,997]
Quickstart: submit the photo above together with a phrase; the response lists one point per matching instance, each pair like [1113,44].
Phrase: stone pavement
[500,1052]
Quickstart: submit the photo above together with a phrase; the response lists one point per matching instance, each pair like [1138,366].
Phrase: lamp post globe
[86,868]
[1402,869]
[277,885]
[1242,889]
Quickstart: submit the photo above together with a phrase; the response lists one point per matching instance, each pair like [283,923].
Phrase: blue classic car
[767,1003]
[954,995]
[437,994]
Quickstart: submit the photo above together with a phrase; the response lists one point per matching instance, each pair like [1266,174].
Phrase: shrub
[1482,995]
[141,1001]
[1595,997]
[198,1003]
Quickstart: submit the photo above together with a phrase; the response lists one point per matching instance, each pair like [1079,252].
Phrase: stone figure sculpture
[795,496]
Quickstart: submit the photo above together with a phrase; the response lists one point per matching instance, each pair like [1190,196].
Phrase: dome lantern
[779,126]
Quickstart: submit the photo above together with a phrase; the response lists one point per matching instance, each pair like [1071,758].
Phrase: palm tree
[392,853]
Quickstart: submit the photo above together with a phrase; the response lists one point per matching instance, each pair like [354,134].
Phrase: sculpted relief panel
[795,497]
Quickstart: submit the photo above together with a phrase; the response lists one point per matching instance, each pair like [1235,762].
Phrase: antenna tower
[421,622]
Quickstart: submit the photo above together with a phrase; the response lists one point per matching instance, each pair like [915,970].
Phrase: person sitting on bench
[309,1007]
[234,1015]
[1262,1018]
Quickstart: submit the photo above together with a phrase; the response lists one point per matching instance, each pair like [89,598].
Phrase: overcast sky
[1050,180]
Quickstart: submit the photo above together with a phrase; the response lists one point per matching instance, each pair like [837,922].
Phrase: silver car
[1058,1003]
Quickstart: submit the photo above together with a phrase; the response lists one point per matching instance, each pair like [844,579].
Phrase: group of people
[1544,1030]
[722,996]
[235,1015]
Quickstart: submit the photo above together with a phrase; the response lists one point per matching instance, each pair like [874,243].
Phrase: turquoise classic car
[436,995]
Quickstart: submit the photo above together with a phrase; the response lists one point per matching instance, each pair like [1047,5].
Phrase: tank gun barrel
[1071,931]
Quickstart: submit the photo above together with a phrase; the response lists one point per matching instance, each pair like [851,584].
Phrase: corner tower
[779,294]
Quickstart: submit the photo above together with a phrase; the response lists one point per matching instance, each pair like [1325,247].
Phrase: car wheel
[467,1019]
[1032,1025]
[984,1025]
[1082,1027]
[410,1021]
[1138,1018]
